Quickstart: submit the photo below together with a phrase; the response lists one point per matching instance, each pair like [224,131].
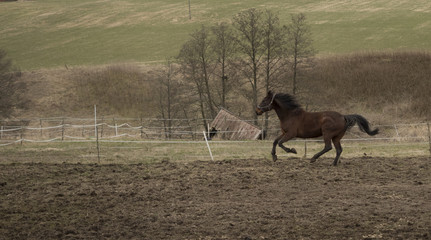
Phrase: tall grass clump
[121,89]
[377,80]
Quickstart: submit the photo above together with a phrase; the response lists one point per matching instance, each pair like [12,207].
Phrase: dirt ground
[363,198]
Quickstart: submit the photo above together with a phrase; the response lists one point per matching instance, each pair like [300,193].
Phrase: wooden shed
[231,127]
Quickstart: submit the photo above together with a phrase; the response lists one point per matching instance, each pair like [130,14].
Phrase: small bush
[12,90]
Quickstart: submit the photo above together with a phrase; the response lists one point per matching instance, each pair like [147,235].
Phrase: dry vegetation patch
[377,81]
[387,87]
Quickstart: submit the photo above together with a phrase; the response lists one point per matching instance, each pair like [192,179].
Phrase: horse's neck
[285,113]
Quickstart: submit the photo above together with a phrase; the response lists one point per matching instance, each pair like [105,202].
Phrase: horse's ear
[270,93]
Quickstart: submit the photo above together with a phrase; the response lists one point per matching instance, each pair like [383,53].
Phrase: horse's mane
[287,101]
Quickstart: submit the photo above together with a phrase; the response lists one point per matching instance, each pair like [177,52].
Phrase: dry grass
[183,151]
[376,81]
[386,87]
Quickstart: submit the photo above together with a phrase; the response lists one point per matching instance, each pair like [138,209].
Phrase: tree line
[228,61]
[227,64]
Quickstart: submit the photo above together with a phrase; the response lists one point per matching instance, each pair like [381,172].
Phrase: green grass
[50,33]
[181,151]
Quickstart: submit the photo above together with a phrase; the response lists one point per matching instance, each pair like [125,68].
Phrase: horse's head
[266,104]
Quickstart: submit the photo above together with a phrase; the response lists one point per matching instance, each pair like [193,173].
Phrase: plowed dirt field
[362,198]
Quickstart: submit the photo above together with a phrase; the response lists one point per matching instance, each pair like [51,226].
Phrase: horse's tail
[363,124]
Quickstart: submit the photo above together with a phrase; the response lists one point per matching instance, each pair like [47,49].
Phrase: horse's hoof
[312,160]
[274,158]
[292,150]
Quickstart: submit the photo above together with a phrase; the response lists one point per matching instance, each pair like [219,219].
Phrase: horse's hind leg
[338,148]
[327,148]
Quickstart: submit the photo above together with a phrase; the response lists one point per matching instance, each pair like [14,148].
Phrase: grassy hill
[51,33]
[387,87]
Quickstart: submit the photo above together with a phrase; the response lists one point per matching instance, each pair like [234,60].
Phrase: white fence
[177,131]
[84,129]
[56,129]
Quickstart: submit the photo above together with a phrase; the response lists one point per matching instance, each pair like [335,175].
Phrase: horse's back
[326,117]
[315,124]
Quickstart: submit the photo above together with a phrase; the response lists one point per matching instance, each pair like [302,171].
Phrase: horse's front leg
[279,141]
[286,137]
[274,146]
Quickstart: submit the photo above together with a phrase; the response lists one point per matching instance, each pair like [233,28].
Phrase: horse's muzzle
[259,111]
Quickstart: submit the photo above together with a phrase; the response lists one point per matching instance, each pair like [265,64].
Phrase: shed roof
[232,127]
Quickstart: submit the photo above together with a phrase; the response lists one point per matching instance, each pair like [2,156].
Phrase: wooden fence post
[305,140]
[398,134]
[62,130]
[142,128]
[305,148]
[83,130]
[40,125]
[97,143]
[101,131]
[116,127]
[429,136]
[21,134]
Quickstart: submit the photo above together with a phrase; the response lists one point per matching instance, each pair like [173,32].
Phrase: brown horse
[296,122]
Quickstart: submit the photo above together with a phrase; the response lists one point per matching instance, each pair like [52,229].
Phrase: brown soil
[368,198]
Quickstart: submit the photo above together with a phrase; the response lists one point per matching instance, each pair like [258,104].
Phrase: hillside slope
[51,33]
[388,87]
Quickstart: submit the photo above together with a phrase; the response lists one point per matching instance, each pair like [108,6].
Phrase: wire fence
[163,136]
[55,129]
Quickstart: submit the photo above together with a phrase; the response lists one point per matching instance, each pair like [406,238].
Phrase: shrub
[12,90]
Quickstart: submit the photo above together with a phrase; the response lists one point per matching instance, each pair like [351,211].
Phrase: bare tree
[166,91]
[275,51]
[224,49]
[201,43]
[258,48]
[299,44]
[12,91]
[251,45]
[191,71]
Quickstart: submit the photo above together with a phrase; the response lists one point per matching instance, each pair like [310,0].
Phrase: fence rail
[51,129]
[151,133]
